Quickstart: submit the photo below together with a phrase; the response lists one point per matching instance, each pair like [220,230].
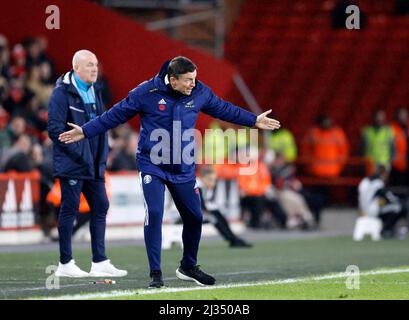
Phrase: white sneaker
[106,269]
[70,270]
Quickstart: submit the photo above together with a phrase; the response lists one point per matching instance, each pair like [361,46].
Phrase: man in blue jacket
[80,167]
[170,100]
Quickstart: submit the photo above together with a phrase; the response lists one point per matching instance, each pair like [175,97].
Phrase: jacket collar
[68,80]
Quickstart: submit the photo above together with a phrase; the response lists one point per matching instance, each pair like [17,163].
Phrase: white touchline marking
[122,280]
[123,293]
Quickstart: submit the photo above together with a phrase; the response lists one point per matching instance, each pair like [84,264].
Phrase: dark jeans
[315,203]
[257,204]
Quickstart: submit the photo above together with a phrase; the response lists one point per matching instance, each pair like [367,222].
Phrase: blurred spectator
[36,55]
[106,89]
[400,128]
[36,117]
[207,185]
[17,97]
[284,178]
[43,164]
[258,194]
[18,157]
[376,201]
[4,87]
[10,133]
[125,158]
[282,141]
[378,141]
[36,85]
[18,55]
[4,58]
[46,73]
[326,148]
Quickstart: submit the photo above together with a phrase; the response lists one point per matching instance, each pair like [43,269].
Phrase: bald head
[85,65]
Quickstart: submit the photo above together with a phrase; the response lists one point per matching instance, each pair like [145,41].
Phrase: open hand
[74,135]
[263,122]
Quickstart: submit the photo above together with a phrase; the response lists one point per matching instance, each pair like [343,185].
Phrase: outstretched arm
[226,111]
[118,114]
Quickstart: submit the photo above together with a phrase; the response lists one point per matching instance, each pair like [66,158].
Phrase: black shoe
[240,243]
[196,275]
[156,279]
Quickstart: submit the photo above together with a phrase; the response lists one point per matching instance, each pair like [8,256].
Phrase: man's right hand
[73,135]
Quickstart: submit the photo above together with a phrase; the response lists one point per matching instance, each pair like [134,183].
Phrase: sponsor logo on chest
[190,104]
[162,104]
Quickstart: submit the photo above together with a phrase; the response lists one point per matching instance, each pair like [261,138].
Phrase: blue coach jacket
[75,160]
[159,107]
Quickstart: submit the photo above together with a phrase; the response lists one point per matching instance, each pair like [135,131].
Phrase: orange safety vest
[256,184]
[399,162]
[327,151]
[226,171]
[54,196]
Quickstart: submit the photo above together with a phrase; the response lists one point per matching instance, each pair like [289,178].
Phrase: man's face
[18,125]
[380,118]
[403,116]
[87,68]
[185,83]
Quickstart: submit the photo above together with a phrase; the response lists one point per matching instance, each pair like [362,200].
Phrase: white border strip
[123,293]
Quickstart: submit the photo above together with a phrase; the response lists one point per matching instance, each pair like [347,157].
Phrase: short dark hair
[180,65]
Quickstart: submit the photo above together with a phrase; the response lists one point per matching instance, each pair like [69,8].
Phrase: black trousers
[221,224]
[257,204]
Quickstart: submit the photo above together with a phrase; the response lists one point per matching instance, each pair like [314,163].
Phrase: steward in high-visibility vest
[256,184]
[326,148]
[282,141]
[400,161]
[379,144]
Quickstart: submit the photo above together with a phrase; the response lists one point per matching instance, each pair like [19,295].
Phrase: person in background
[4,58]
[18,57]
[282,141]
[258,194]
[207,185]
[378,144]
[125,158]
[36,55]
[46,182]
[376,201]
[326,147]
[302,206]
[36,85]
[18,157]
[17,96]
[106,91]
[400,127]
[80,167]
[11,132]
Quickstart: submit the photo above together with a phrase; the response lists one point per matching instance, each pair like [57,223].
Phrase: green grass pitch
[279,269]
